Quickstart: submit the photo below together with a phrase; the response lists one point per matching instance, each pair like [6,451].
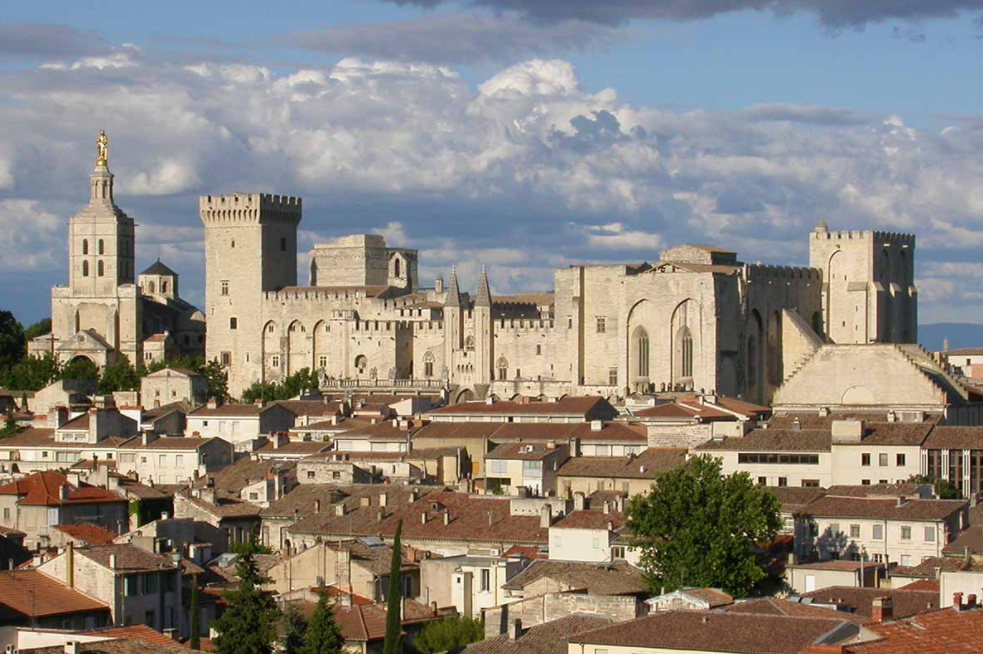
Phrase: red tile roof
[943,632]
[568,406]
[129,558]
[44,489]
[886,509]
[547,638]
[137,632]
[590,520]
[30,593]
[88,534]
[860,600]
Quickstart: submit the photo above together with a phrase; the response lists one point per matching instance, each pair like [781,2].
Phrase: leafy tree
[294,629]
[453,632]
[944,489]
[323,634]
[119,376]
[195,611]
[80,368]
[698,528]
[393,623]
[32,373]
[291,387]
[40,328]
[9,426]
[12,347]
[248,625]
[218,380]
[251,547]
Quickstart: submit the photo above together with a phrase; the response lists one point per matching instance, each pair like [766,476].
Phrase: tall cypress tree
[393,622]
[248,625]
[323,634]
[295,629]
[195,628]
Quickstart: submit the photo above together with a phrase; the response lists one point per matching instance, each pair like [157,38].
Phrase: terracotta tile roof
[568,406]
[301,499]
[344,424]
[773,606]
[616,432]
[885,509]
[8,531]
[169,443]
[526,451]
[547,638]
[44,489]
[740,406]
[712,596]
[717,632]
[970,539]
[839,565]
[929,567]
[116,646]
[309,407]
[526,551]
[923,584]
[876,490]
[294,448]
[79,423]
[942,632]
[129,558]
[366,622]
[30,437]
[382,430]
[673,411]
[794,498]
[860,600]
[137,632]
[644,466]
[772,440]
[955,438]
[230,480]
[227,508]
[590,520]
[27,593]
[88,534]
[617,578]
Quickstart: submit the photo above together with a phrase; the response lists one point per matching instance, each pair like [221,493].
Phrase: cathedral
[102,314]
[694,318]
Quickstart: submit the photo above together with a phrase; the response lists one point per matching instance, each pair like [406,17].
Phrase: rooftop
[547,638]
[44,489]
[617,578]
[860,600]
[29,593]
[88,534]
[566,407]
[129,558]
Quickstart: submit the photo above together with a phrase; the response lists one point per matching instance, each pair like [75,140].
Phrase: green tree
[12,347]
[195,615]
[394,627]
[943,488]
[291,387]
[323,634]
[696,527]
[218,380]
[80,368]
[248,625]
[32,373]
[453,632]
[294,628]
[252,547]
[9,426]
[119,376]
[40,328]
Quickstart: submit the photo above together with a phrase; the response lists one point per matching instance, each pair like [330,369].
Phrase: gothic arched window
[503,369]
[469,342]
[642,346]
[361,363]
[397,266]
[686,352]
[752,361]
[428,362]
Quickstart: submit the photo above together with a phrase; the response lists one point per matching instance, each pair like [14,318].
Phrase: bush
[448,634]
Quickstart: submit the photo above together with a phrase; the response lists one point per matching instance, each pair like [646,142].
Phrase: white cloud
[525,172]
[33,237]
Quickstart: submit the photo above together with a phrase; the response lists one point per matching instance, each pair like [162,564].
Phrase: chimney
[63,492]
[892,416]
[945,344]
[882,609]
[334,419]
[971,600]
[72,647]
[796,425]
[213,403]
[339,509]
[413,497]
[607,507]
[823,411]
[578,501]
[957,601]
[112,561]
[515,630]
[364,501]
[596,425]
[383,498]
[317,506]
[69,564]
[610,526]
[574,446]
[545,516]
[260,402]
[447,518]
[423,518]
[489,518]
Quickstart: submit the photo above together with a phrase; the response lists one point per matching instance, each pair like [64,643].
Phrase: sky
[520,135]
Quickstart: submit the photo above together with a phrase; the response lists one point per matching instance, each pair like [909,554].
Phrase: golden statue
[102,147]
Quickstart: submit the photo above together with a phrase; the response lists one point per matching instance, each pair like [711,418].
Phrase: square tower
[250,249]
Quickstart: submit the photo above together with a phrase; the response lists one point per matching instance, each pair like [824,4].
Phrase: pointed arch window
[397,267]
[686,352]
[428,361]
[503,369]
[752,361]
[642,346]
[469,342]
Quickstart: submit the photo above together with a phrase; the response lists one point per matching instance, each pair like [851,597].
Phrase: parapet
[881,237]
[249,207]
[759,271]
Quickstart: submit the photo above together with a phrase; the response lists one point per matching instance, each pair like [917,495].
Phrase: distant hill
[960,334]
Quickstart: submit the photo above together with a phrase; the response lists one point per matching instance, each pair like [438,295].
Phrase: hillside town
[456,458]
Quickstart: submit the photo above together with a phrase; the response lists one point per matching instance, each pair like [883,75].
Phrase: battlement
[764,272]
[249,207]
[527,325]
[897,238]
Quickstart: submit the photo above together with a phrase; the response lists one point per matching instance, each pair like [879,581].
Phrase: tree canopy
[40,328]
[323,634]
[248,625]
[12,343]
[453,632]
[696,527]
[119,376]
[80,368]
[294,629]
[31,373]
[291,387]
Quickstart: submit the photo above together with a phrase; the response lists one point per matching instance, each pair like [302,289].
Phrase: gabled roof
[942,632]
[547,638]
[88,534]
[566,407]
[30,593]
[643,466]
[44,489]
[885,509]
[861,600]
[617,578]
[129,558]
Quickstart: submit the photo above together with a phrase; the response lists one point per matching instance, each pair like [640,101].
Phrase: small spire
[821,226]
[484,293]
[453,291]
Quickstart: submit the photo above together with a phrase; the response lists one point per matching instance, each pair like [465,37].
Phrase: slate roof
[158,268]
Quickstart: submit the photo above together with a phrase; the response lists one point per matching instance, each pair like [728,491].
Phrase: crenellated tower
[250,248]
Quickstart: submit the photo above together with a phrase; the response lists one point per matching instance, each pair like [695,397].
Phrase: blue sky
[522,135]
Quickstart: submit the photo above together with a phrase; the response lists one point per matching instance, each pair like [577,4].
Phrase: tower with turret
[250,249]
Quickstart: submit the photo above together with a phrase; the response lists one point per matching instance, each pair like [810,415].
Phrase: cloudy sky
[520,134]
